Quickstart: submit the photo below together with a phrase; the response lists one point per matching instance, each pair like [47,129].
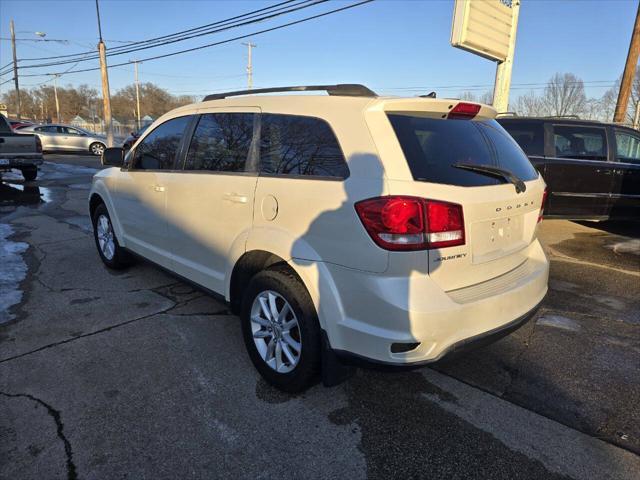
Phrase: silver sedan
[67,138]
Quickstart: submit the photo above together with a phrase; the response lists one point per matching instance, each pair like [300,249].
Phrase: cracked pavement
[136,374]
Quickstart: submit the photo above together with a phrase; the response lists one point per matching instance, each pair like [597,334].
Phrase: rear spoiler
[437,108]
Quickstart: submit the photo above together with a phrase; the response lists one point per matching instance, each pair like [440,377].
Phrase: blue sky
[387,44]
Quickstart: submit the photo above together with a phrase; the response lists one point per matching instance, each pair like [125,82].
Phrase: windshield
[433,147]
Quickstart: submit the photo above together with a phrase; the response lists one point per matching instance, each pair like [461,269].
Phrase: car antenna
[429,95]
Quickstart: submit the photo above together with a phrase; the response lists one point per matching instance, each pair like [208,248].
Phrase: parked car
[343,229]
[592,169]
[20,152]
[131,139]
[67,138]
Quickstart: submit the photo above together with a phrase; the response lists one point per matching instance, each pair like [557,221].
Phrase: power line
[490,85]
[126,49]
[234,39]
[273,8]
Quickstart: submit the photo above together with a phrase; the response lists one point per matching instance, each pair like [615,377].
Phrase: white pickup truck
[22,152]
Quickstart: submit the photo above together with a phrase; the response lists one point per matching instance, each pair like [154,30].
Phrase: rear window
[529,135]
[432,146]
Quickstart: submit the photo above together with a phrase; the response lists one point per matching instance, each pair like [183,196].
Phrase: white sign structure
[483,27]
[488,28]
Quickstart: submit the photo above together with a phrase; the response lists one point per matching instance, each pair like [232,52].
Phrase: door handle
[158,188]
[235,197]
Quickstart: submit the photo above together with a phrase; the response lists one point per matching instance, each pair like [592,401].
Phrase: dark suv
[592,169]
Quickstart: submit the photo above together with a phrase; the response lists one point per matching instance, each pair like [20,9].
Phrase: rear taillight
[544,200]
[38,145]
[464,110]
[404,223]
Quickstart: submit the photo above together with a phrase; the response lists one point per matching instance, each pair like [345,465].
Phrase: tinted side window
[296,145]
[49,129]
[221,142]
[574,141]
[529,135]
[158,150]
[4,125]
[627,147]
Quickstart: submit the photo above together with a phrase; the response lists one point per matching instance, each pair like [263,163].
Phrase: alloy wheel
[276,332]
[97,149]
[104,232]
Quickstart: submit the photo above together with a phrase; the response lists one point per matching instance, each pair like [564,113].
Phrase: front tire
[281,330]
[29,173]
[110,251]
[97,148]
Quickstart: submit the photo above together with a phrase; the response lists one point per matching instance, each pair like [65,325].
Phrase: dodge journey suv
[342,228]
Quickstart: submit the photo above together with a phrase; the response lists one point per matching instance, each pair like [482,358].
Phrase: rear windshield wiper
[494,172]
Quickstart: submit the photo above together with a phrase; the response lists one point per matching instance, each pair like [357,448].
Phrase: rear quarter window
[300,146]
[433,146]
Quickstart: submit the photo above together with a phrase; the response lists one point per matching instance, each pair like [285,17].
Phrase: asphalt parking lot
[137,375]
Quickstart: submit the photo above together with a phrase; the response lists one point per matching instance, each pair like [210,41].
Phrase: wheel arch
[94,200]
[249,264]
[314,275]
[100,195]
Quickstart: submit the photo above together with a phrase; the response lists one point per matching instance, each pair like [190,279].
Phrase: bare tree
[529,105]
[564,95]
[486,97]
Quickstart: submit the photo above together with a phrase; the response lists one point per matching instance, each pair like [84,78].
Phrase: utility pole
[629,72]
[55,94]
[249,65]
[503,70]
[106,96]
[15,70]
[135,64]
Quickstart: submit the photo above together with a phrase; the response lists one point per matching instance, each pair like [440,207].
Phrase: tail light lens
[38,145]
[403,223]
[464,110]
[544,201]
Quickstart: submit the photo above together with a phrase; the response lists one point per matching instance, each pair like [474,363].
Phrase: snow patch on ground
[628,246]
[12,271]
[54,171]
[558,321]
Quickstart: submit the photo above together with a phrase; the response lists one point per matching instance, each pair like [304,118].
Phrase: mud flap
[334,372]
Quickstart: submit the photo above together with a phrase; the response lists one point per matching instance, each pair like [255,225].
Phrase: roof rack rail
[507,114]
[574,117]
[341,89]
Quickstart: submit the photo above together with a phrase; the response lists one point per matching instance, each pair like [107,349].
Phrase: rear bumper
[463,346]
[376,313]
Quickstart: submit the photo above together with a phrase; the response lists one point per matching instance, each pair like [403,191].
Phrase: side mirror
[112,157]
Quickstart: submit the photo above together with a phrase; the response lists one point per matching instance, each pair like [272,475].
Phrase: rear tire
[29,173]
[110,251]
[285,350]
[97,148]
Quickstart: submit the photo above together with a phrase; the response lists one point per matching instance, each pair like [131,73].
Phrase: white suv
[342,227]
